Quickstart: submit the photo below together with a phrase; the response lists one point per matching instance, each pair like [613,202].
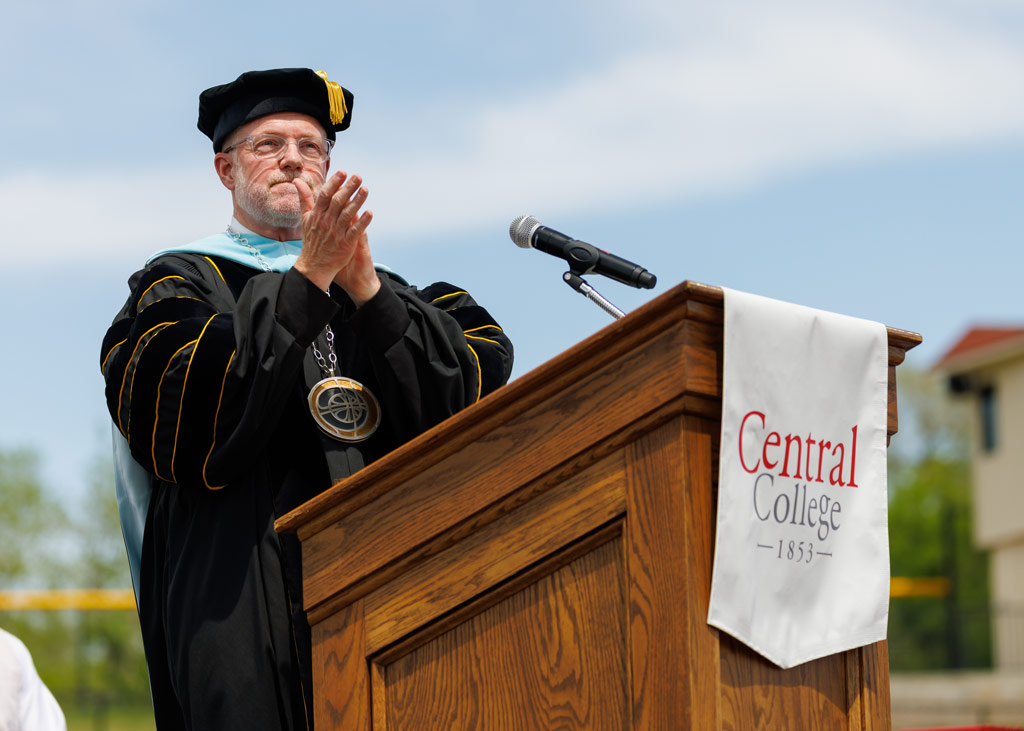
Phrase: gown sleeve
[434,351]
[193,377]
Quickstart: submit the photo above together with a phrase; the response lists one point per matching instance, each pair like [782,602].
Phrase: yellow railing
[68,599]
[100,599]
[901,587]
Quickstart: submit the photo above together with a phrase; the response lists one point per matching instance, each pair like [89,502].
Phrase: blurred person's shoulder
[25,702]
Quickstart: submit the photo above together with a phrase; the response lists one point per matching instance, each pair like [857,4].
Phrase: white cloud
[765,95]
[744,97]
[84,216]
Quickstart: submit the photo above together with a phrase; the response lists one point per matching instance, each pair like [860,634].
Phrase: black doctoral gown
[207,370]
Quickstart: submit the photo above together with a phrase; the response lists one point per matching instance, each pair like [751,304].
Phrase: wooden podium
[543,559]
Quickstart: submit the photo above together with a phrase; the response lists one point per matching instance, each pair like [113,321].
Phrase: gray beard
[256,201]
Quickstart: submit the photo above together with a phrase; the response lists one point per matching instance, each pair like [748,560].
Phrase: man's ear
[225,166]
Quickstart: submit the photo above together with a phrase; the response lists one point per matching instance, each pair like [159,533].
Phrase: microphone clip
[582,258]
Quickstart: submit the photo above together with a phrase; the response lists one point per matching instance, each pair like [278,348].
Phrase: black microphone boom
[528,233]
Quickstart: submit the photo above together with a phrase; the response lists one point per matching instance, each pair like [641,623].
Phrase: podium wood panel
[543,559]
[539,659]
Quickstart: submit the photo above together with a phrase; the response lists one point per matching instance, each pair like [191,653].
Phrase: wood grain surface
[539,660]
[341,677]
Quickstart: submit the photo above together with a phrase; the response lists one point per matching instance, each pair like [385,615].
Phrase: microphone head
[522,229]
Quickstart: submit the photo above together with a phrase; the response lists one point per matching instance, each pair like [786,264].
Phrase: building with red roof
[986,365]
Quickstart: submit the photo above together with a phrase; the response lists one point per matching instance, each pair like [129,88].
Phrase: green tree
[34,554]
[110,666]
[930,519]
[33,525]
[91,660]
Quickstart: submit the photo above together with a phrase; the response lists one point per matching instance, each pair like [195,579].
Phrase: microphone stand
[577,283]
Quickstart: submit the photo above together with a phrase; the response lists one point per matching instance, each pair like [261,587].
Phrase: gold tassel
[336,97]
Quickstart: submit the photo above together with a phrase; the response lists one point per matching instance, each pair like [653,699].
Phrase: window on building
[989,414]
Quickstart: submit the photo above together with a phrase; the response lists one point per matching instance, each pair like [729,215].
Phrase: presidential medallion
[344,409]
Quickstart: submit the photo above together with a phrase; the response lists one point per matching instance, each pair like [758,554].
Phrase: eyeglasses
[272,147]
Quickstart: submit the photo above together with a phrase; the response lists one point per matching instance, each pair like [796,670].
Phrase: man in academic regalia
[246,373]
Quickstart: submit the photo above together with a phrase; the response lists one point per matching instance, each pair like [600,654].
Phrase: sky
[858,156]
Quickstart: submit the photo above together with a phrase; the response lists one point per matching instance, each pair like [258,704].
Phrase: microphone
[528,233]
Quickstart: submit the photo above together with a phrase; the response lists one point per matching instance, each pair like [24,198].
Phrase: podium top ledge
[710,294]
[688,301]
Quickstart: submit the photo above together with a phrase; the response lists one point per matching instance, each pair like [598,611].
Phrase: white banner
[802,547]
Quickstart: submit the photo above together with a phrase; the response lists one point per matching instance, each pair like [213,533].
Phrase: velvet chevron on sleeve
[487,341]
[192,374]
[427,365]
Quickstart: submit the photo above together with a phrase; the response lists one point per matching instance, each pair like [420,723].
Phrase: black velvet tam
[256,94]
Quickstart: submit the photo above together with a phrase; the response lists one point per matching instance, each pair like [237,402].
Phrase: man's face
[262,188]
